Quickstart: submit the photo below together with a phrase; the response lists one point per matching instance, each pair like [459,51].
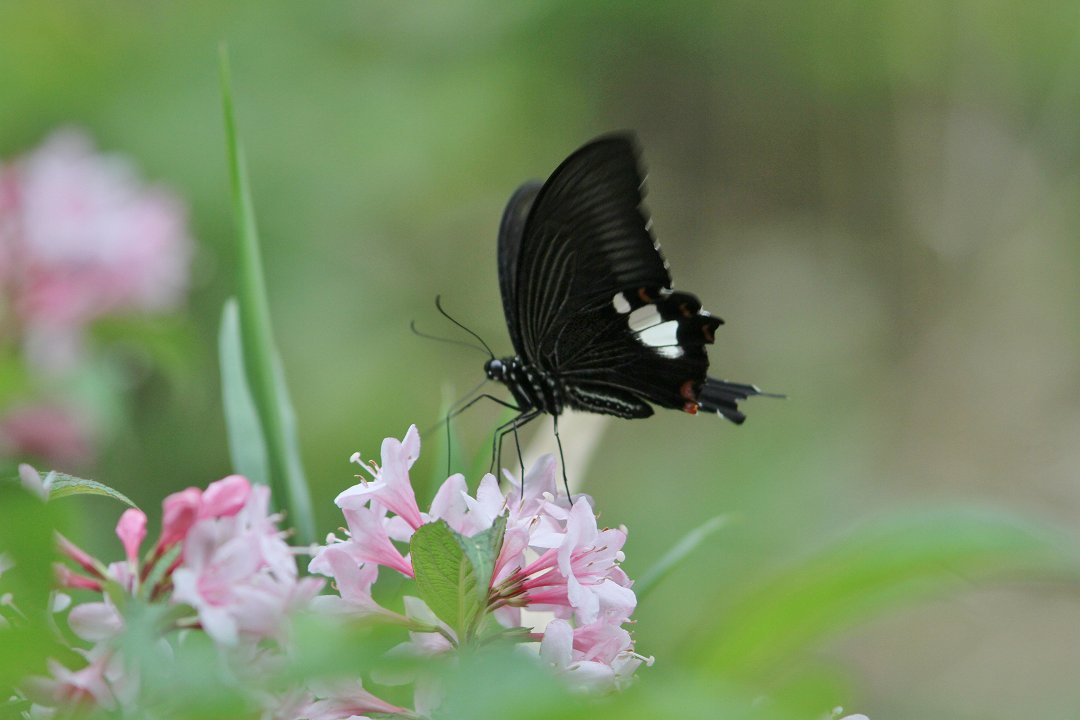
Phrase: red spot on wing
[687,392]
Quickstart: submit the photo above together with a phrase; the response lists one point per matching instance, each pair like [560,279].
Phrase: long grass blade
[262,366]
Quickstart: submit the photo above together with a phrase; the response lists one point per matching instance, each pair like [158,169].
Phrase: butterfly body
[594,319]
[532,388]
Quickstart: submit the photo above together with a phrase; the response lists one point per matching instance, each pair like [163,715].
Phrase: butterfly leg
[521,456]
[451,414]
[500,433]
[562,460]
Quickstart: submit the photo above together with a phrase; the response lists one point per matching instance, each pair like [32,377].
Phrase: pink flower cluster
[554,562]
[81,238]
[219,553]
[223,567]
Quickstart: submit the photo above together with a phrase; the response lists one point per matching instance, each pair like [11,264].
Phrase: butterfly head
[495,369]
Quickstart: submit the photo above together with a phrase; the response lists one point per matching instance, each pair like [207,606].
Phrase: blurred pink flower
[239,575]
[178,513]
[101,684]
[81,238]
[348,701]
[96,621]
[233,567]
[54,433]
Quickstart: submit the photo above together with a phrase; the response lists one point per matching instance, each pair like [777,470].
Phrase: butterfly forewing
[511,230]
[587,293]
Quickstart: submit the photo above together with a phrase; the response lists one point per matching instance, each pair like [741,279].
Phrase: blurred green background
[879,197]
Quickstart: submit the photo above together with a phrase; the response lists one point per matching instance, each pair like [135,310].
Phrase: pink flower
[81,238]
[597,657]
[390,486]
[353,582]
[579,573]
[178,513]
[238,574]
[451,503]
[95,621]
[98,685]
[348,701]
[54,433]
[224,498]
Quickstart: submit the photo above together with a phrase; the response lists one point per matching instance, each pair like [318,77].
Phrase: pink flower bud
[71,579]
[132,531]
[79,555]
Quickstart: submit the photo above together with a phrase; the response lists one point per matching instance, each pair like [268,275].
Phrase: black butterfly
[594,320]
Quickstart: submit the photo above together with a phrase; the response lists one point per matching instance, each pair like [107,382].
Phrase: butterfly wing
[591,301]
[511,230]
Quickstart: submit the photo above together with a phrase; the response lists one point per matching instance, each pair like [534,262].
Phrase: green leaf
[482,550]
[453,573]
[876,568]
[247,448]
[676,555]
[26,541]
[262,366]
[444,576]
[62,485]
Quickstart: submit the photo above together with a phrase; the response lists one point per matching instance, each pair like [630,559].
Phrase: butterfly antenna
[412,326]
[438,304]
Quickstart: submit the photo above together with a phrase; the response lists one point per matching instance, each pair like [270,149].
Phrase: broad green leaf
[482,550]
[877,567]
[453,573]
[676,555]
[445,578]
[63,485]
[262,367]
[247,447]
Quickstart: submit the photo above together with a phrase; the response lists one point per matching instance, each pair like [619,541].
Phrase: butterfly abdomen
[721,396]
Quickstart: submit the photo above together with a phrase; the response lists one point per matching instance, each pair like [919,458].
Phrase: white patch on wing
[670,351]
[645,316]
[622,305]
[659,335]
